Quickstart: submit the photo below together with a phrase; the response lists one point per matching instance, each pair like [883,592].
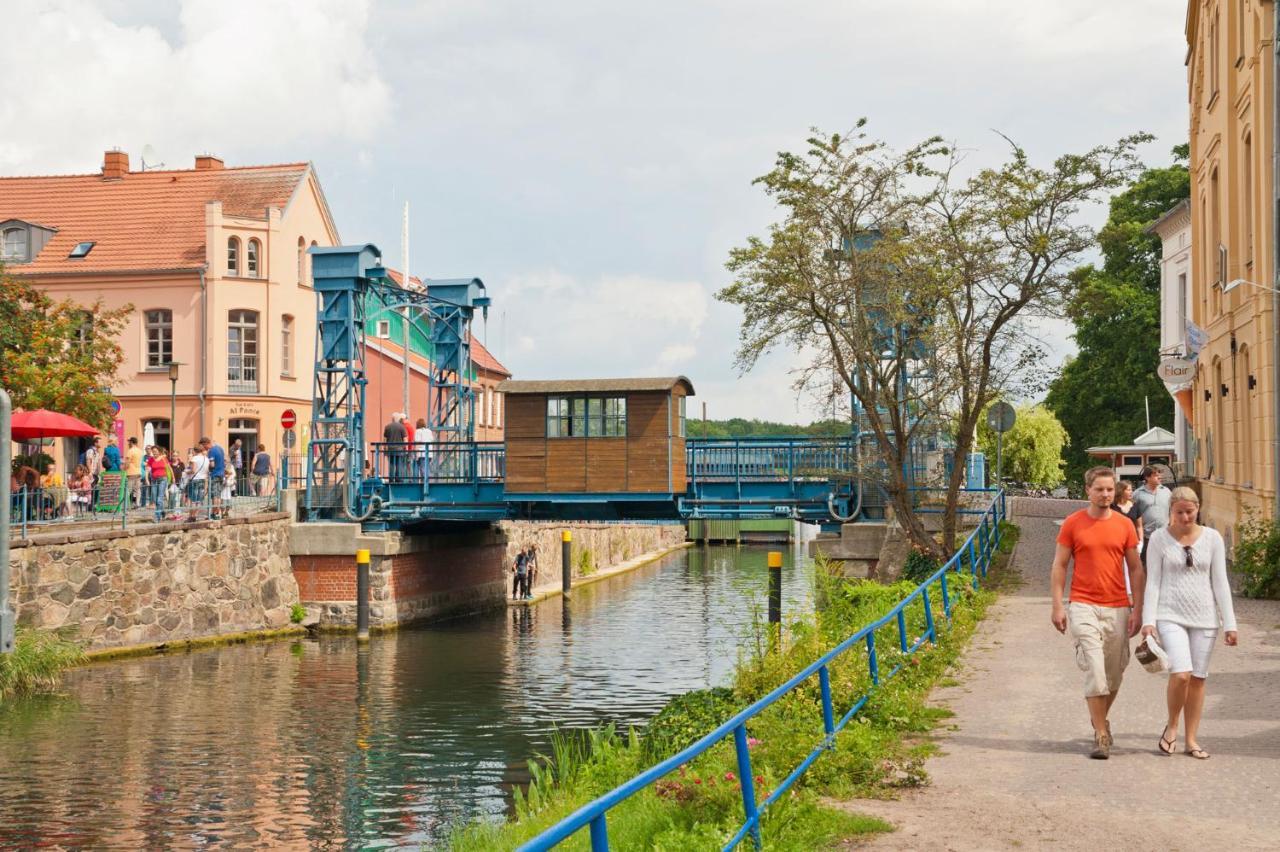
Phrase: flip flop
[1170,742]
[1198,753]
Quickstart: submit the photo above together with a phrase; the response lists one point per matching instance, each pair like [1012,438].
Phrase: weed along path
[1013,771]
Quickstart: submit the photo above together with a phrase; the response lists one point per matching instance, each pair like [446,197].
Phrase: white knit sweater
[1192,597]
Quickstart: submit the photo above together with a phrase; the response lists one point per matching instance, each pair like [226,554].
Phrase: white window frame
[163,327]
[233,256]
[286,345]
[253,259]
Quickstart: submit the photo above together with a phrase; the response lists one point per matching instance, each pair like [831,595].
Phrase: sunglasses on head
[1186,548]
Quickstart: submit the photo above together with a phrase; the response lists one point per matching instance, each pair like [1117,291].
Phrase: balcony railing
[242,374]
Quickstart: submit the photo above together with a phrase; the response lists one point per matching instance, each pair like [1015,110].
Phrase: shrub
[38,461]
[37,660]
[686,718]
[1257,558]
[297,612]
[586,562]
[919,566]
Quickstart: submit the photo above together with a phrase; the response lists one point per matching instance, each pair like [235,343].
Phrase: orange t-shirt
[1098,548]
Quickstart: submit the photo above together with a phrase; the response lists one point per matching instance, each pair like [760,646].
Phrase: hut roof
[665,383]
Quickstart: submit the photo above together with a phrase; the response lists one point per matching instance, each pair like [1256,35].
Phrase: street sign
[290,438]
[1001,417]
[1176,371]
[289,418]
[115,408]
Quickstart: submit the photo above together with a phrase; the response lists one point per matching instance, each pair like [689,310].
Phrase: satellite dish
[149,157]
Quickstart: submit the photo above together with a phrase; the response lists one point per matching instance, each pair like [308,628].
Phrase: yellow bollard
[362,594]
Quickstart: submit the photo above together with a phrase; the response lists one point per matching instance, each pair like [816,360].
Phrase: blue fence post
[872,663]
[928,614]
[946,598]
[973,564]
[599,835]
[24,513]
[902,629]
[828,712]
[747,782]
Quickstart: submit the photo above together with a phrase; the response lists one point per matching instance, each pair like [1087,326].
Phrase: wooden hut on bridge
[598,436]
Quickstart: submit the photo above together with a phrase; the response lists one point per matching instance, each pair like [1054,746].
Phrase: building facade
[213,261]
[1174,231]
[1231,88]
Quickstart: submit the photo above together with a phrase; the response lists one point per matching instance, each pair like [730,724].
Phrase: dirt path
[1014,772]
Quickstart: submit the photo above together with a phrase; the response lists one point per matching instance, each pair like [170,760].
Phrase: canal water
[322,743]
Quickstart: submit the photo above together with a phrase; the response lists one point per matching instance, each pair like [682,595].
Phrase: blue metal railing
[467,462]
[975,555]
[770,458]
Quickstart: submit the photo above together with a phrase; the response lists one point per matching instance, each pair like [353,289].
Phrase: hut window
[566,417]
[607,417]
[682,429]
[1131,461]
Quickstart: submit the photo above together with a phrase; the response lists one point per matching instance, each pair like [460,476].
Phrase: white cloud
[240,74]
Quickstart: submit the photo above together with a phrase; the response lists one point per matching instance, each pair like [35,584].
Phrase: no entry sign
[289,418]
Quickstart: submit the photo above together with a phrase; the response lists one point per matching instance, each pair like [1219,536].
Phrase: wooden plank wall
[638,463]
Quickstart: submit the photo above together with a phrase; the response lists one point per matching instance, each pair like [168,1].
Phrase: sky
[591,161]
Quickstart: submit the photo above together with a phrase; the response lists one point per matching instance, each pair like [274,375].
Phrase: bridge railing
[443,462]
[770,459]
[973,557]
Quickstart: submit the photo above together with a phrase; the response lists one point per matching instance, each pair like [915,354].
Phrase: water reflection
[329,744]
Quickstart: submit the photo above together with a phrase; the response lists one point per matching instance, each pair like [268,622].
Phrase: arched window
[286,345]
[1219,421]
[302,260]
[1245,413]
[1246,191]
[242,351]
[159,338]
[251,255]
[14,246]
[233,256]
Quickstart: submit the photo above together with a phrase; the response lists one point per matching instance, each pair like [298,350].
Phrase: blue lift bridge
[392,486]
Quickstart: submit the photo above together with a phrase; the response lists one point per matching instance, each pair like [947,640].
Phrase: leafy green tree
[58,355]
[1100,396]
[891,264]
[1031,451]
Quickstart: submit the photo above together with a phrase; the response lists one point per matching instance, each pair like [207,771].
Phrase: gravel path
[1014,772]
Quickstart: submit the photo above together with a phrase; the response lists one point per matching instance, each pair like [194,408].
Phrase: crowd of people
[171,483]
[414,459]
[1142,564]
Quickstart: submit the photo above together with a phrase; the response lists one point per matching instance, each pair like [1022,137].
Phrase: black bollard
[566,564]
[775,587]
[362,595]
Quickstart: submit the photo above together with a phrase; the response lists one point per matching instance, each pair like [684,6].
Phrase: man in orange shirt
[1100,542]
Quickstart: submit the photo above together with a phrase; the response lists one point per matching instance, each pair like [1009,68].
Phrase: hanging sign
[1176,371]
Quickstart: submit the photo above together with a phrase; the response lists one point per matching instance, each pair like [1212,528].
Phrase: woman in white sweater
[1187,600]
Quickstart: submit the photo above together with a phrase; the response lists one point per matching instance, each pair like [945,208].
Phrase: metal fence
[770,458]
[439,461]
[112,501]
[969,564]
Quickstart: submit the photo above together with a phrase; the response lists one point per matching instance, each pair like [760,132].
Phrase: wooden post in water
[775,590]
[566,563]
[362,595]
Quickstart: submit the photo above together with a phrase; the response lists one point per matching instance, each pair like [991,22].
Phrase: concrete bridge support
[411,577]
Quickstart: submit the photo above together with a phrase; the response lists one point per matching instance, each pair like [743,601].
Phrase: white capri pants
[1189,648]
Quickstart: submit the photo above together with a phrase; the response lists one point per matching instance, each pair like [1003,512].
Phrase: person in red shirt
[1099,542]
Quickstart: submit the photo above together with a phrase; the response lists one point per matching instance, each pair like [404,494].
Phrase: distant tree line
[738,427]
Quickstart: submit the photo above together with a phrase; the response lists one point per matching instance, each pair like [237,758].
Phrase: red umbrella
[33,425]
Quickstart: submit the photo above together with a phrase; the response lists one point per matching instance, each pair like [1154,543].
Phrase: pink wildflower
[728,776]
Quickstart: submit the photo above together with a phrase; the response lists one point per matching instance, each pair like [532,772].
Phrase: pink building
[212,260]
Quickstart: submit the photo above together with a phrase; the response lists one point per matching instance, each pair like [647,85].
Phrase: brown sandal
[1169,742]
[1198,753]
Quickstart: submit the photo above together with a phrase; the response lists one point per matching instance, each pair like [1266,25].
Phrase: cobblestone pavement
[1014,772]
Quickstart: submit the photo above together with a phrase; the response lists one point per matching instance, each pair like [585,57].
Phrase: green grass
[36,662]
[700,805]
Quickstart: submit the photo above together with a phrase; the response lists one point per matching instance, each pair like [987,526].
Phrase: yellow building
[1231,86]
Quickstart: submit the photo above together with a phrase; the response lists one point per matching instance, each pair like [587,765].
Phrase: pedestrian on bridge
[1187,599]
[1099,541]
[394,433]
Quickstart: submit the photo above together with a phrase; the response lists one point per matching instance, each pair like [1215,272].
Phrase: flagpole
[404,322]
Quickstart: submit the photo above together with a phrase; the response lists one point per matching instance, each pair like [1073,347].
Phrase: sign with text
[1176,371]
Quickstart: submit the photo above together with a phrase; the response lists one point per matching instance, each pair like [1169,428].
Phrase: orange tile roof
[145,221]
[484,359]
[398,278]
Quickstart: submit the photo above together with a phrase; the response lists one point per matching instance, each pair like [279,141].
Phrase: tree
[1031,451]
[1101,394]
[888,266]
[58,355]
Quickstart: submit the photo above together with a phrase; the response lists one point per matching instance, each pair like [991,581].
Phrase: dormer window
[82,249]
[13,247]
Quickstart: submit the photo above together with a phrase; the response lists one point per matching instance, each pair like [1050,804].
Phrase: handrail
[978,548]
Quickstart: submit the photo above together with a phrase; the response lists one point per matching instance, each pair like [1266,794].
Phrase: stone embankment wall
[596,547]
[157,583]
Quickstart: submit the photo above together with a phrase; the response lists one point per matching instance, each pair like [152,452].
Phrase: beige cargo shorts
[1101,634]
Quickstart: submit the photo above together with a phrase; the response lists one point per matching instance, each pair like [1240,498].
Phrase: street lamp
[173,403]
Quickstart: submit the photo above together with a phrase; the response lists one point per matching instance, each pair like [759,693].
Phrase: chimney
[206,162]
[115,165]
